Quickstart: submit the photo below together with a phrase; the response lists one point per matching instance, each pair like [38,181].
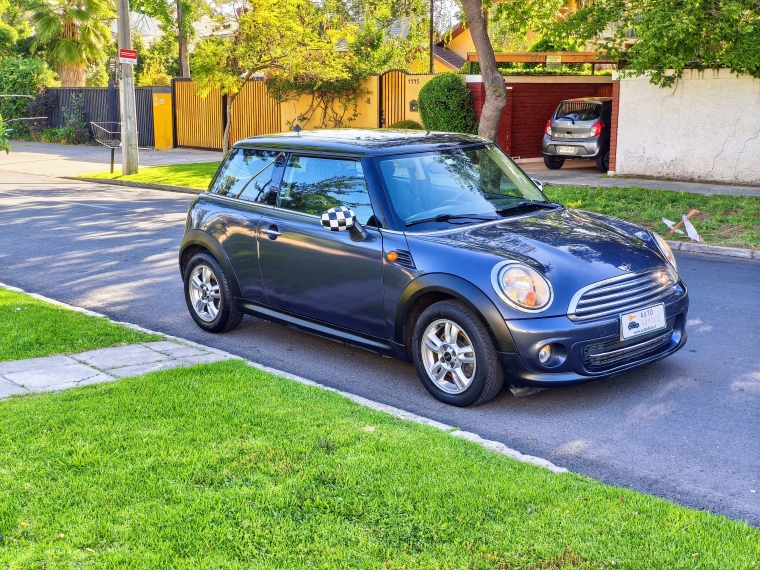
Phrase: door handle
[272,232]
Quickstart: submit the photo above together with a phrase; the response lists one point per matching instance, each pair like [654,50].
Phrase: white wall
[707,127]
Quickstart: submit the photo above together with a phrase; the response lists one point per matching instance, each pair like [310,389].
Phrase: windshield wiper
[525,204]
[447,217]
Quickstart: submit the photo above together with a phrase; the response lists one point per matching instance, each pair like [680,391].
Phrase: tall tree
[73,33]
[283,36]
[495,88]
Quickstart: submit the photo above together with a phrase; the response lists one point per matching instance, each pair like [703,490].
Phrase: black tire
[603,161]
[227,316]
[488,377]
[553,162]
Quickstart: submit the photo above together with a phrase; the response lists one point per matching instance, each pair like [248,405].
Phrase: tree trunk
[496,90]
[228,123]
[71,75]
[184,58]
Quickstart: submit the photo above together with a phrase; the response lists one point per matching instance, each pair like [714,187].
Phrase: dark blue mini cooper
[429,247]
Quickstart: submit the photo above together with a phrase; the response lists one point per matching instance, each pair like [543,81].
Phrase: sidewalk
[55,160]
[584,173]
[54,373]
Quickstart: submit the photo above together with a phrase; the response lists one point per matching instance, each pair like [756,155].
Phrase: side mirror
[341,219]
[538,184]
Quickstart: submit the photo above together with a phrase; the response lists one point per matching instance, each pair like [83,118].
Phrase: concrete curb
[143,185]
[495,446]
[693,247]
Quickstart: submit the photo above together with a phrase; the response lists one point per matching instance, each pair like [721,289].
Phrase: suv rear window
[579,110]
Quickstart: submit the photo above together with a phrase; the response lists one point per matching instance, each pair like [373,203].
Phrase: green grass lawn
[724,220]
[197,175]
[225,466]
[32,328]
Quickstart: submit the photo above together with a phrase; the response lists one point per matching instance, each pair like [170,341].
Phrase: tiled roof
[448,58]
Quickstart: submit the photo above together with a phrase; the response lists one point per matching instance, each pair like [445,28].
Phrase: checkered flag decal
[338,219]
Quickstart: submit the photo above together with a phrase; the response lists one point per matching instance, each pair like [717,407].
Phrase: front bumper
[587,346]
[588,148]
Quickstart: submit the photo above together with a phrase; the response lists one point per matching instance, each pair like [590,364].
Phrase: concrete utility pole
[432,61]
[184,61]
[129,156]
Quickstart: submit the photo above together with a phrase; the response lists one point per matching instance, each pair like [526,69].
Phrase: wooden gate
[197,120]
[392,97]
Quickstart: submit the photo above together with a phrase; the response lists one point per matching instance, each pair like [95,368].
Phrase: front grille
[614,352]
[621,294]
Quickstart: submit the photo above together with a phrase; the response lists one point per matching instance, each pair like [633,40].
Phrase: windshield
[481,182]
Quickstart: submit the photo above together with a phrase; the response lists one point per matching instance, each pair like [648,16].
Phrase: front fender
[463,290]
[207,241]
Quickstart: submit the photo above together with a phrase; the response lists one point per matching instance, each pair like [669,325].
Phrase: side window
[247,174]
[313,185]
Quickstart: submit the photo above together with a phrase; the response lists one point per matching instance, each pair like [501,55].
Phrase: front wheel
[553,162]
[454,356]
[208,295]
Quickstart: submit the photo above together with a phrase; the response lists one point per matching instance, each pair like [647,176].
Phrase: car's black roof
[360,142]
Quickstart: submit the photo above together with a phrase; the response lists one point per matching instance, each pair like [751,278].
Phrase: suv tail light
[596,129]
[548,128]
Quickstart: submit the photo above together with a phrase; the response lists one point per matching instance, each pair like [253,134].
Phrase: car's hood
[572,248]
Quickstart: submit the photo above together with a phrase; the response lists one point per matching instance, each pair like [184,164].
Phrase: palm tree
[74,33]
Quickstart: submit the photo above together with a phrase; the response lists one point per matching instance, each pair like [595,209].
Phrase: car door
[246,185]
[311,271]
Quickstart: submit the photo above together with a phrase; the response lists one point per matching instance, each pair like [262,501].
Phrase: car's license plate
[566,149]
[642,321]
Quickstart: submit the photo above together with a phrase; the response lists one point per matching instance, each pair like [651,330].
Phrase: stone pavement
[584,173]
[55,373]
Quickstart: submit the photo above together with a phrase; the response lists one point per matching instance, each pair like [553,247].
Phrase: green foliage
[408,124]
[157,64]
[672,35]
[72,35]
[446,105]
[5,143]
[21,76]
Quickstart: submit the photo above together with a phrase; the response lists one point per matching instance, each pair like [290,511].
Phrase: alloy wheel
[449,356]
[203,287]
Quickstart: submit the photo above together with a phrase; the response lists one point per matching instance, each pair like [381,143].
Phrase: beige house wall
[706,127]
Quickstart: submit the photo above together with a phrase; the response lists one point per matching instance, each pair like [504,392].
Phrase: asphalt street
[686,428]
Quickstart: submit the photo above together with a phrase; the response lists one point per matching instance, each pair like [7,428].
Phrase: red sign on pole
[128,56]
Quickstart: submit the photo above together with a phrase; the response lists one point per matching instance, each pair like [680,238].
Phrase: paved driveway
[685,428]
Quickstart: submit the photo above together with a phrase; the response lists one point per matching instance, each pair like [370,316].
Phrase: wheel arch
[434,287]
[196,241]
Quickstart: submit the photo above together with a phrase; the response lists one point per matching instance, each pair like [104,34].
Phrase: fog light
[545,354]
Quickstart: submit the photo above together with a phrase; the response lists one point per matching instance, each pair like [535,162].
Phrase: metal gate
[392,97]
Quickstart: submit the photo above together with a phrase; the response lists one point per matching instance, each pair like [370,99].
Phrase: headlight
[666,251]
[521,286]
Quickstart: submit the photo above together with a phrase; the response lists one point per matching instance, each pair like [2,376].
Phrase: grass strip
[195,175]
[225,466]
[32,328]
[723,220]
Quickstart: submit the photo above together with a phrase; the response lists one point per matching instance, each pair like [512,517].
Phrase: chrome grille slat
[621,294]
[635,300]
[603,290]
[651,286]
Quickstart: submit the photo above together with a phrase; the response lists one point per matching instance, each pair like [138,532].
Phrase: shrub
[21,76]
[446,105]
[407,124]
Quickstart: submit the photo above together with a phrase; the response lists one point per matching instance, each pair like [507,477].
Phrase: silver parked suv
[579,128]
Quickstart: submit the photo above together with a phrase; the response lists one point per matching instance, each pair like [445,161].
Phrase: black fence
[102,104]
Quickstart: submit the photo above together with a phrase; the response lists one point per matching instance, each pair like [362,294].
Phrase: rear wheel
[603,161]
[553,162]
[208,295]
[454,356]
